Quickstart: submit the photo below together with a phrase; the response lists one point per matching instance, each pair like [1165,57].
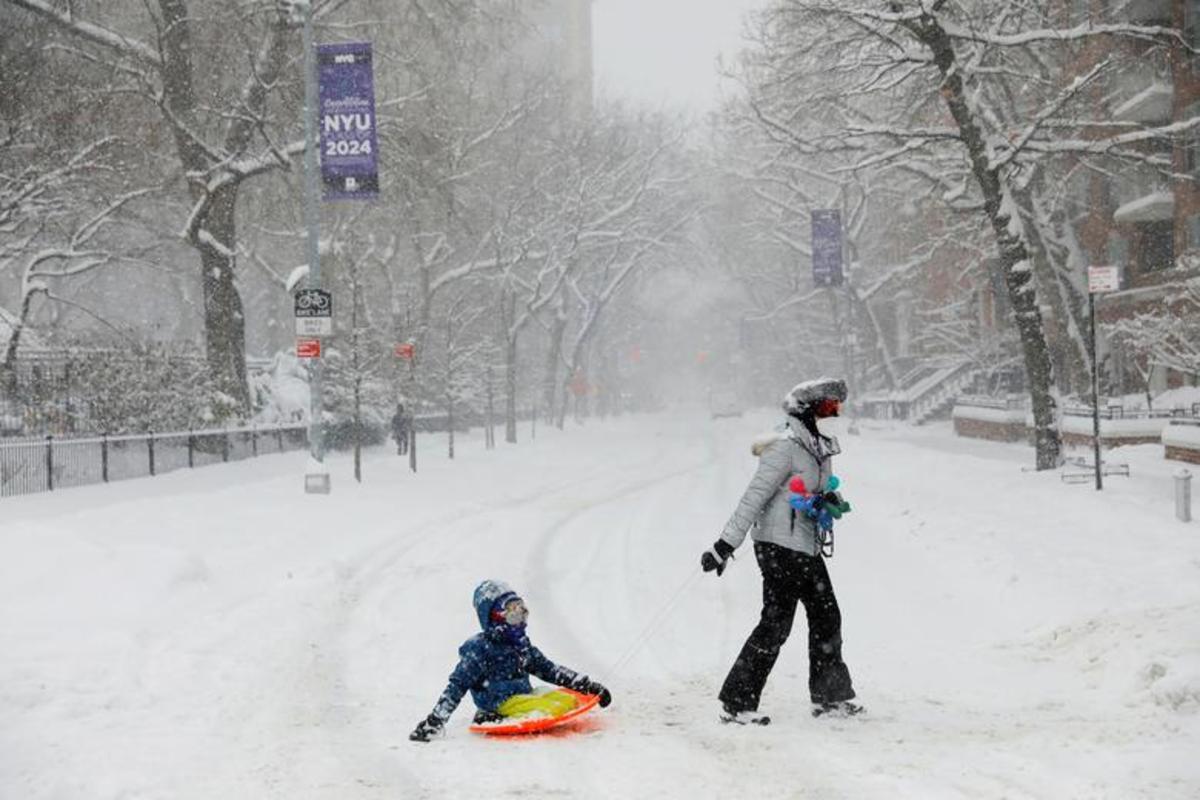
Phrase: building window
[1155,247]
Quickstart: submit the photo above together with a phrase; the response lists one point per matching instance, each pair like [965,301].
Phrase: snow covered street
[218,633]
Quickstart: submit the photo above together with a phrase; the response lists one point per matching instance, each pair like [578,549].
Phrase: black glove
[430,726]
[717,557]
[592,687]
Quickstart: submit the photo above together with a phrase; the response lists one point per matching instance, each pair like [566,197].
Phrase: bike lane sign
[314,312]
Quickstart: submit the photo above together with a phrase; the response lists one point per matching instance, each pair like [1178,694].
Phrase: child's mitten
[427,728]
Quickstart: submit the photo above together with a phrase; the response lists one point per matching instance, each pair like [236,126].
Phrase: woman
[788,547]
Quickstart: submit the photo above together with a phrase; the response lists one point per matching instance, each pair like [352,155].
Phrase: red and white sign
[406,350]
[1103,279]
[578,384]
[308,348]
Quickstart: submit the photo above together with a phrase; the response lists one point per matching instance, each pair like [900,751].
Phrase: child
[495,666]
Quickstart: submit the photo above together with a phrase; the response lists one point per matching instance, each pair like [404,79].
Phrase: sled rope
[659,617]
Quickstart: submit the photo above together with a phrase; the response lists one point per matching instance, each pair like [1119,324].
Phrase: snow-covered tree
[1167,335]
[970,99]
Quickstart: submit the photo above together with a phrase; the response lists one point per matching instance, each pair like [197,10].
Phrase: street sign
[405,350]
[827,247]
[349,145]
[314,313]
[314,326]
[1103,279]
[308,348]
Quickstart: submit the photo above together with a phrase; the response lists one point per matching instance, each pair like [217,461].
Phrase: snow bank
[1115,428]
[1181,435]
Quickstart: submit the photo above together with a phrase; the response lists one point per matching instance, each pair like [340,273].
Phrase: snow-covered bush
[280,392]
[1165,335]
[144,388]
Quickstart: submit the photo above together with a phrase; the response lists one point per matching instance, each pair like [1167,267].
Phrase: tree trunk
[14,341]
[1006,224]
[550,375]
[510,390]
[358,429]
[490,430]
[509,333]
[214,233]
[224,319]
[356,371]
[1074,361]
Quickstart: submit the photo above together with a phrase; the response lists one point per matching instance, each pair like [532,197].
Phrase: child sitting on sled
[495,665]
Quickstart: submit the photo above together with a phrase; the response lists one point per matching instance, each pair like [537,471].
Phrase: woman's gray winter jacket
[764,506]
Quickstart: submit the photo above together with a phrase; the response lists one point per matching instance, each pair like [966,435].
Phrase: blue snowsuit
[496,664]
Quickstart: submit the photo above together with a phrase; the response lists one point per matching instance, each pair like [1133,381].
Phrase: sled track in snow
[370,570]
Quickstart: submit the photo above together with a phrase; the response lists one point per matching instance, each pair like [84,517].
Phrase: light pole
[316,475]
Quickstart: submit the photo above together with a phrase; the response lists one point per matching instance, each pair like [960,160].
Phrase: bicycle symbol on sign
[313,300]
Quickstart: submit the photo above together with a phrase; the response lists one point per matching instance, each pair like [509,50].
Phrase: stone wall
[1181,438]
[995,430]
[1182,442]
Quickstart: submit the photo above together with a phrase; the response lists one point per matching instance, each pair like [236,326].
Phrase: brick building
[1144,219]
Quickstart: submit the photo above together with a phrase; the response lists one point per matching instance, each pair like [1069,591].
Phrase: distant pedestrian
[788,547]
[401,429]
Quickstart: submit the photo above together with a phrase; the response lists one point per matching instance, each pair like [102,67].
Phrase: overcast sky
[664,51]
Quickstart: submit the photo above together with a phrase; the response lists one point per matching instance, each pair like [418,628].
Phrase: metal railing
[1008,403]
[40,465]
[936,395]
[1117,412]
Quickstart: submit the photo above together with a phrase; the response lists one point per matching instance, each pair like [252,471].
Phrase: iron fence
[39,465]
[1002,403]
[1118,412]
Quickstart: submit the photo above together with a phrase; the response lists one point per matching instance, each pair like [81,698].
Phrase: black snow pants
[791,577]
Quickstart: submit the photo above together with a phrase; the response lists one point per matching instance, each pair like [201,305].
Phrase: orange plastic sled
[520,726]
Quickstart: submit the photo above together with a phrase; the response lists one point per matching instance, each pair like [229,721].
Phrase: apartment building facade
[1145,218]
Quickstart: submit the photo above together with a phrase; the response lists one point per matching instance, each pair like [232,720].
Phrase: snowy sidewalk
[219,633]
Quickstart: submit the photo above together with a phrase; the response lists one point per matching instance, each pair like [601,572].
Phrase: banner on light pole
[349,144]
[827,247]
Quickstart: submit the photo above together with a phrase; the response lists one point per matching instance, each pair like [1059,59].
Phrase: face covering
[514,612]
[508,622]
[832,427]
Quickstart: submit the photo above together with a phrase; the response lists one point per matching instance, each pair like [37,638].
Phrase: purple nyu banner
[349,147]
[827,247]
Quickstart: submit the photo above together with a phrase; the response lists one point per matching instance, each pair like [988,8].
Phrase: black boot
[842,709]
[729,716]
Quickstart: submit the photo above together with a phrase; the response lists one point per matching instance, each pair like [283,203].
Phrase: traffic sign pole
[1100,279]
[316,476]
